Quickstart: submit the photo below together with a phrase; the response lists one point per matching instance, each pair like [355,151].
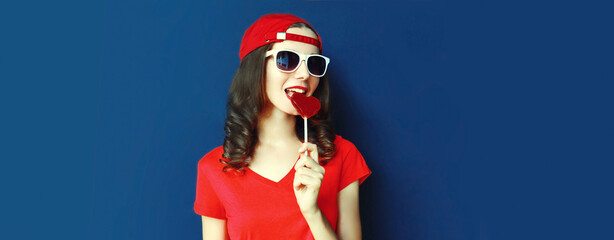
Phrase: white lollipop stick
[305,121]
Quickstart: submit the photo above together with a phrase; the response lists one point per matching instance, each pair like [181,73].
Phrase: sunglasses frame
[302,58]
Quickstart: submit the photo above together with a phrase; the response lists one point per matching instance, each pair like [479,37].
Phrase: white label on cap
[281,36]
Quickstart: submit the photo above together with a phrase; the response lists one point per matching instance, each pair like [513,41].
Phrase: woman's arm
[214,229]
[307,182]
[319,226]
[348,227]
[349,214]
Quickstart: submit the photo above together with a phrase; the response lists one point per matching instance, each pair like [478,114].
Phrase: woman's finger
[308,162]
[308,181]
[302,161]
[310,172]
[311,149]
[297,182]
[312,164]
[307,146]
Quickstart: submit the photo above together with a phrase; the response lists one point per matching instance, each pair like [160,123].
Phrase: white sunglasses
[288,61]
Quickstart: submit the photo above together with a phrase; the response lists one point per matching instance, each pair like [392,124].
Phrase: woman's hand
[308,179]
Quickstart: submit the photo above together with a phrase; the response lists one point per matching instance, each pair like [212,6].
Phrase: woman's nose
[302,72]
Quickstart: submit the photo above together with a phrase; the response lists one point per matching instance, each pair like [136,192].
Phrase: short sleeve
[354,167]
[207,201]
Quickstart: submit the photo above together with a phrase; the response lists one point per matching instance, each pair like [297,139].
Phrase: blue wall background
[480,120]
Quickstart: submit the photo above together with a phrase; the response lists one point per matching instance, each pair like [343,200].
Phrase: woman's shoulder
[344,146]
[350,161]
[211,160]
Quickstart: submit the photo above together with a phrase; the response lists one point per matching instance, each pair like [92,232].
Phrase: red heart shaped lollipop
[306,106]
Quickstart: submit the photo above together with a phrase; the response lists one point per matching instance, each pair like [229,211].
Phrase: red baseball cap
[272,28]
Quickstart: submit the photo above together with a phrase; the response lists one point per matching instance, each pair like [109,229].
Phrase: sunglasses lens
[317,65]
[287,61]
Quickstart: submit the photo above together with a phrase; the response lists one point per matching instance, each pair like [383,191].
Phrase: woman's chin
[293,113]
[286,110]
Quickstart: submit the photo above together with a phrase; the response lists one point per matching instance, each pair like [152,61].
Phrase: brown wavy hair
[247,98]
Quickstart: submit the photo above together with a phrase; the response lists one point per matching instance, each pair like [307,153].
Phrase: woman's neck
[276,128]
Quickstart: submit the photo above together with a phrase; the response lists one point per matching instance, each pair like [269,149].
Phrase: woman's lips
[295,89]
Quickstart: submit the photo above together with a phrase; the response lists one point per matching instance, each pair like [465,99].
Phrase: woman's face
[277,82]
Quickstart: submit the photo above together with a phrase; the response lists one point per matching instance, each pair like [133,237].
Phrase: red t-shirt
[255,207]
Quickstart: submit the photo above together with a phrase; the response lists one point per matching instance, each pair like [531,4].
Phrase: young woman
[264,182]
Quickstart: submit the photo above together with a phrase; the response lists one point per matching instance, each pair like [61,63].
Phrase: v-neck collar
[289,175]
